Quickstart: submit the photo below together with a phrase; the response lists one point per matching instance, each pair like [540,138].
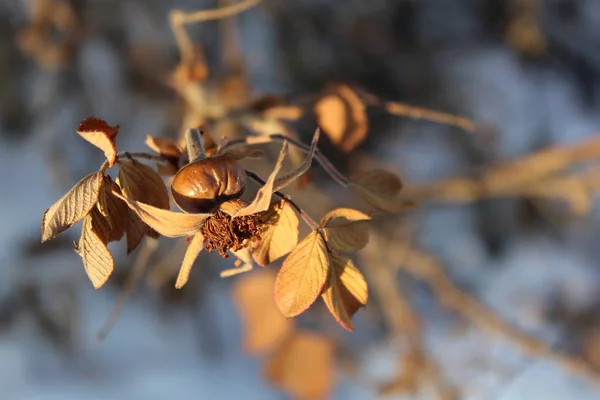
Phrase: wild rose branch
[207,184]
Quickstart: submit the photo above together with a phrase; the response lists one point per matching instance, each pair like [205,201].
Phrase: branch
[309,221]
[178,19]
[321,159]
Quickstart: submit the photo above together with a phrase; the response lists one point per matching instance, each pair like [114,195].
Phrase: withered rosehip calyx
[206,182]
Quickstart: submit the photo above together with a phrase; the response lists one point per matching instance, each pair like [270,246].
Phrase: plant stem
[195,145]
[321,159]
[309,221]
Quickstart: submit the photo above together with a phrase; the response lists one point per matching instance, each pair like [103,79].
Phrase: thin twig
[179,18]
[426,268]
[309,221]
[321,159]
[419,113]
[139,266]
[402,319]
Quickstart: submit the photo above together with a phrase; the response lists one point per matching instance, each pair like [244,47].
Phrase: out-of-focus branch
[426,268]
[544,174]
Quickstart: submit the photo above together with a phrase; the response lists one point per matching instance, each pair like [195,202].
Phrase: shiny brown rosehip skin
[203,185]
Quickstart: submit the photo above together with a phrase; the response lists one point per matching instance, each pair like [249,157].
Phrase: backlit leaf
[101,135]
[342,115]
[379,188]
[263,326]
[279,235]
[141,183]
[72,207]
[347,230]
[165,146]
[97,260]
[262,200]
[303,367]
[194,248]
[285,180]
[113,209]
[346,290]
[302,275]
[167,223]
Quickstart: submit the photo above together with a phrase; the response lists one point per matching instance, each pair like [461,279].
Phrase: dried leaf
[346,229]
[273,107]
[342,115]
[279,235]
[264,327]
[113,210]
[380,188]
[100,134]
[194,248]
[302,275]
[282,182]
[164,146]
[346,290]
[303,366]
[167,223]
[97,260]
[262,200]
[239,152]
[72,207]
[141,183]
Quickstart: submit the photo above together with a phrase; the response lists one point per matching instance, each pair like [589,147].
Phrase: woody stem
[195,145]
[309,221]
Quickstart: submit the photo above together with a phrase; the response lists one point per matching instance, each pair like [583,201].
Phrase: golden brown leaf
[141,183]
[342,115]
[262,200]
[379,188]
[167,223]
[97,260]
[346,290]
[279,235]
[285,180]
[72,207]
[100,134]
[194,248]
[347,230]
[165,146]
[302,275]
[303,366]
[113,209]
[264,327]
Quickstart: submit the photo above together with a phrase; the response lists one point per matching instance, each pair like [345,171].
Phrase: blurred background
[526,72]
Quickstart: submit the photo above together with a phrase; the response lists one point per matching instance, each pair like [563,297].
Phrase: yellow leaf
[279,234]
[113,210]
[262,200]
[141,183]
[285,180]
[380,188]
[72,207]
[167,223]
[101,135]
[165,146]
[264,327]
[303,367]
[346,229]
[97,260]
[342,115]
[346,290]
[302,275]
[194,248]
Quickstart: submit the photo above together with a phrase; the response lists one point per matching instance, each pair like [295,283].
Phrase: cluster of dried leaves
[137,204]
